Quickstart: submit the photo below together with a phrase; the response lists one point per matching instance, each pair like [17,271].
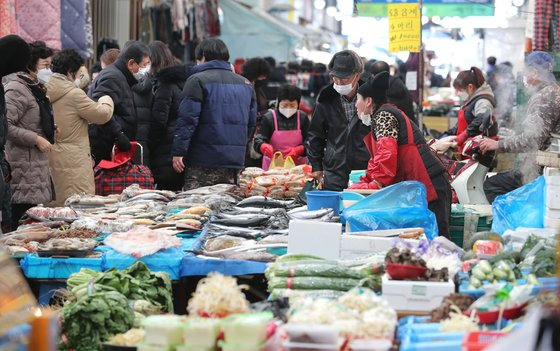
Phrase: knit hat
[345,63]
[543,63]
[376,87]
[15,54]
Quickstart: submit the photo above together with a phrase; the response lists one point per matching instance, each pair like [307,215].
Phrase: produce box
[168,261]
[418,296]
[465,222]
[34,266]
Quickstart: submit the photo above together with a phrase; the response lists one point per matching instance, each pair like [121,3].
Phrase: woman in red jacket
[399,151]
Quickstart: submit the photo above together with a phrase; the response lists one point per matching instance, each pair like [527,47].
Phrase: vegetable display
[498,271]
[92,320]
[444,310]
[218,296]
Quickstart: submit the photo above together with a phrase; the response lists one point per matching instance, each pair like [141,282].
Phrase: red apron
[410,165]
[282,140]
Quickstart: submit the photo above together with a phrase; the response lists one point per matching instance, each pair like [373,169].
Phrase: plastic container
[489,317]
[319,199]
[408,295]
[370,345]
[243,329]
[57,268]
[403,272]
[515,312]
[201,333]
[313,334]
[479,340]
[299,346]
[451,345]
[225,346]
[163,330]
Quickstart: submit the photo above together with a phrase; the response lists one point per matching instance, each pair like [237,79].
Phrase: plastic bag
[279,162]
[523,207]
[313,283]
[403,205]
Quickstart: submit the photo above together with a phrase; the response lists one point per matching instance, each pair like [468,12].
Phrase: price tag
[404,27]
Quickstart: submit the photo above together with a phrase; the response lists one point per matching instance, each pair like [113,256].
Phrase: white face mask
[77,82]
[288,112]
[144,70]
[343,89]
[365,118]
[463,95]
[44,75]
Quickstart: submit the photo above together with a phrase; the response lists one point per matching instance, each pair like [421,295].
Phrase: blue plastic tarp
[168,261]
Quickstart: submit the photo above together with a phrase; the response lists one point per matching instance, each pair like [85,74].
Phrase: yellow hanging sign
[404,27]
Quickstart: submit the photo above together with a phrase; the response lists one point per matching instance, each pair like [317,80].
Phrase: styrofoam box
[553,196]
[552,213]
[407,295]
[553,223]
[552,175]
[353,246]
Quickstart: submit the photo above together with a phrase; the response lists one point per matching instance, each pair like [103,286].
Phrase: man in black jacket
[397,93]
[14,58]
[116,80]
[335,143]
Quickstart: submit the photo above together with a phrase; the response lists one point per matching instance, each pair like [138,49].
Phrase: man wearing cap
[542,120]
[334,140]
[399,151]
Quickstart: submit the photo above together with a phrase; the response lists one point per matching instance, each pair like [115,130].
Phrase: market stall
[384,279]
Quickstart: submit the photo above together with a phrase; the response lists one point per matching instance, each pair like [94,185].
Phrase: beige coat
[31,180]
[70,159]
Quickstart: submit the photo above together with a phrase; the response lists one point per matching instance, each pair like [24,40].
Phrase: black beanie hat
[375,87]
[15,54]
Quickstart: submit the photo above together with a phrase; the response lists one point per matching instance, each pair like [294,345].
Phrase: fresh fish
[257,210]
[149,197]
[262,202]
[318,214]
[259,256]
[254,221]
[224,242]
[274,239]
[297,210]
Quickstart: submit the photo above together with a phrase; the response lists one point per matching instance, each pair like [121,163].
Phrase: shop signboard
[404,27]
[430,8]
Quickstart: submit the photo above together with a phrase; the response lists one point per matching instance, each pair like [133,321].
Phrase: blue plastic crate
[34,266]
[549,283]
[168,261]
[450,345]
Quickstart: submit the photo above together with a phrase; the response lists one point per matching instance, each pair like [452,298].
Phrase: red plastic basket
[490,317]
[479,340]
[401,272]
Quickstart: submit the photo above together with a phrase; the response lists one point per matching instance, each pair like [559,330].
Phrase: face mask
[77,82]
[288,112]
[343,89]
[463,95]
[144,70]
[44,75]
[365,118]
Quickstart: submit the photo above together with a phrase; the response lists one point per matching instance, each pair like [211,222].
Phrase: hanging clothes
[547,25]
[89,30]
[8,22]
[73,28]
[39,20]
[162,24]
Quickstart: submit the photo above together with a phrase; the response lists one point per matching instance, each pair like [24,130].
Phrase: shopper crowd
[199,123]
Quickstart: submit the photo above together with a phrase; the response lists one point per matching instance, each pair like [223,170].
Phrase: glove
[267,150]
[295,151]
[461,138]
[371,185]
[123,144]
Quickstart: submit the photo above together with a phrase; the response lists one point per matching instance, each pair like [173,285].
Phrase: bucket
[319,199]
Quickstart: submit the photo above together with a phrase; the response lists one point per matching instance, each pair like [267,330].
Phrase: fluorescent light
[319,4]
[331,11]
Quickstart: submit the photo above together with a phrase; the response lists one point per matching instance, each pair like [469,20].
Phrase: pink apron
[282,140]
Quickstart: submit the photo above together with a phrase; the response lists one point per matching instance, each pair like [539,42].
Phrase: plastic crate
[34,266]
[168,261]
[449,345]
[477,341]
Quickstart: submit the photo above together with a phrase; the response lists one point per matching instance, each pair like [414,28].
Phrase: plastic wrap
[403,205]
[314,294]
[103,226]
[322,270]
[523,207]
[314,283]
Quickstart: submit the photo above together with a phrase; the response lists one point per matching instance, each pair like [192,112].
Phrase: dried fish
[318,214]
[257,255]
[263,202]
[252,221]
[224,242]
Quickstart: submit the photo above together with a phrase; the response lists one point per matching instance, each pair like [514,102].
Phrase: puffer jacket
[143,99]
[168,87]
[31,177]
[334,144]
[217,117]
[115,81]
[70,158]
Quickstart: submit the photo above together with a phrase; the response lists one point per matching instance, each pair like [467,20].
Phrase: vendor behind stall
[283,129]
[399,151]
[477,113]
